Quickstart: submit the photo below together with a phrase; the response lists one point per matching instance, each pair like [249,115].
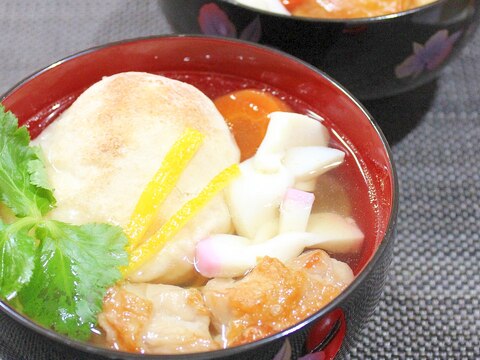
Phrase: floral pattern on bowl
[214,21]
[372,58]
[429,56]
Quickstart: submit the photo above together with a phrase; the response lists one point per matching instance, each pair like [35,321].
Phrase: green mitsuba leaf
[17,250]
[57,273]
[23,180]
[37,171]
[73,269]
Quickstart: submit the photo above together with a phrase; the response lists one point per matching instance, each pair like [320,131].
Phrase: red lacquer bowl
[218,66]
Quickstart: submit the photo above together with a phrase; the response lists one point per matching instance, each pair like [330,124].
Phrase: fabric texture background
[430,308]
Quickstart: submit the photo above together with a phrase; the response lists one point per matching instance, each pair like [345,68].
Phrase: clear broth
[346,190]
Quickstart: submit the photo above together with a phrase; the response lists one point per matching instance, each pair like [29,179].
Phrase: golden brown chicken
[156,319]
[274,296]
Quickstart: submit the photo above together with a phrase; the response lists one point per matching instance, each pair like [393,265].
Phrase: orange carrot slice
[246,113]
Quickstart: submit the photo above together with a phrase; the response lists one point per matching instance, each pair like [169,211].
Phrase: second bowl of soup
[375,49]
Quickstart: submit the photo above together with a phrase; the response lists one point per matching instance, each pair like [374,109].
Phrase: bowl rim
[388,236]
[349,21]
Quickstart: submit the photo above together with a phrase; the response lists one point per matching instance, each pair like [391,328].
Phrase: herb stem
[26,222]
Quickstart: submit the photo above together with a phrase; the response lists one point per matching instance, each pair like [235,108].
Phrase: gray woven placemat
[430,308]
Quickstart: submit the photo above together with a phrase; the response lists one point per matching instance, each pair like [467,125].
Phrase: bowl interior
[339,19]
[218,66]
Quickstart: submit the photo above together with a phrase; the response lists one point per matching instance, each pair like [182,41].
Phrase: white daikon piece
[309,162]
[267,231]
[335,233]
[231,255]
[308,185]
[285,131]
[227,255]
[254,198]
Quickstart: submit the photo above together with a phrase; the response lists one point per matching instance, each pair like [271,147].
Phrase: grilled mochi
[103,151]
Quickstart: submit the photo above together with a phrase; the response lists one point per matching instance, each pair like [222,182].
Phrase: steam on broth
[263,235]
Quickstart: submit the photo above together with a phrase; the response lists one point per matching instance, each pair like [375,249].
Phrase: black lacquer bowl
[328,333]
[371,57]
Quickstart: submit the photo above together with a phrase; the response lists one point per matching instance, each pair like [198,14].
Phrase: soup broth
[346,190]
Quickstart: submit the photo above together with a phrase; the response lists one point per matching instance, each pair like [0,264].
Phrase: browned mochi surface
[274,296]
[102,152]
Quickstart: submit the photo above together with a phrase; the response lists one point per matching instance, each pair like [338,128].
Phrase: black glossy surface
[361,54]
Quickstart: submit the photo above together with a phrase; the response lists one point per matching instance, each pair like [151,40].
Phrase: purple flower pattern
[214,21]
[429,56]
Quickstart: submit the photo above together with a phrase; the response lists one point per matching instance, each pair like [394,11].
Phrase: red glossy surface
[322,329]
[218,66]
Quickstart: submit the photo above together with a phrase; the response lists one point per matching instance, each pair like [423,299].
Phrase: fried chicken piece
[156,319]
[274,296]
[124,319]
[320,266]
